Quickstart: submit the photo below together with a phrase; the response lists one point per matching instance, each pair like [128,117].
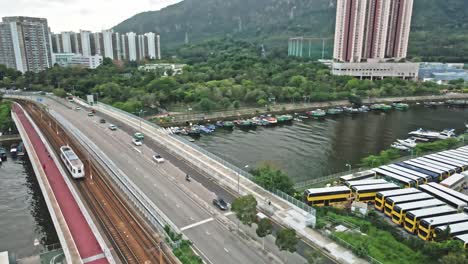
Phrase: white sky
[72,15]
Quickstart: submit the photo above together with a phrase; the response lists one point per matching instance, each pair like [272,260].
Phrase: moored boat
[245,123]
[3,153]
[317,113]
[351,110]
[284,118]
[271,120]
[447,133]
[399,146]
[425,133]
[401,106]
[410,143]
[228,124]
[21,149]
[334,111]
[13,150]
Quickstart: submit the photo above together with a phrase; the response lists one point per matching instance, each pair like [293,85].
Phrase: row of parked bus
[440,167]
[408,186]
[426,211]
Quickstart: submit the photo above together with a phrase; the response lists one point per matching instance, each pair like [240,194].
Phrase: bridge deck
[86,242]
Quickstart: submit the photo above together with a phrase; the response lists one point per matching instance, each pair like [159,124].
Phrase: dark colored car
[220,203]
[102,121]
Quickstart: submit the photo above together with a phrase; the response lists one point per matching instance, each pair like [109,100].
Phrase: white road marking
[137,150]
[197,224]
[228,213]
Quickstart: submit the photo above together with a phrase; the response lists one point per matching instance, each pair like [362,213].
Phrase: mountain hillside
[439,28]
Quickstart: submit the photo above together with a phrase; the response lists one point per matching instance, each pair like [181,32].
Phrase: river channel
[25,223]
[316,148]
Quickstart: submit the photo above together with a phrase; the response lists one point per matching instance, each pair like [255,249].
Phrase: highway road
[187,204]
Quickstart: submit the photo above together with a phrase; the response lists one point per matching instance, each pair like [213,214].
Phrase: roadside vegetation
[270,177]
[220,75]
[245,209]
[6,123]
[184,250]
[385,242]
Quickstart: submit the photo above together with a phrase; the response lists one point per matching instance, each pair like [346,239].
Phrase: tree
[245,208]
[286,239]
[269,177]
[206,104]
[264,227]
[314,257]
[60,92]
[454,258]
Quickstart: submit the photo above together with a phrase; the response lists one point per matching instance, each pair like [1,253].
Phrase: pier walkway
[80,243]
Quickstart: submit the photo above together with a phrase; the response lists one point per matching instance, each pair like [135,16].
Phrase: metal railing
[331,177]
[301,205]
[148,209]
[349,246]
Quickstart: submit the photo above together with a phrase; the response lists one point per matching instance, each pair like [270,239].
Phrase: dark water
[315,148]
[23,212]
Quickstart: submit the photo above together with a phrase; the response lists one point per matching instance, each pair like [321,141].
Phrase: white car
[112,127]
[136,142]
[158,158]
[77,108]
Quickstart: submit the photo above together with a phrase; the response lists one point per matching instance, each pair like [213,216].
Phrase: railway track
[132,239]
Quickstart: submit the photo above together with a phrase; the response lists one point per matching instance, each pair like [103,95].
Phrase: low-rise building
[77,60]
[376,70]
[176,68]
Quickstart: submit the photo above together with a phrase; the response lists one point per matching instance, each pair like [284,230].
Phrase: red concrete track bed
[83,236]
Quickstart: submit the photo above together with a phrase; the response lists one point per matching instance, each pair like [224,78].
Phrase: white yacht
[409,142]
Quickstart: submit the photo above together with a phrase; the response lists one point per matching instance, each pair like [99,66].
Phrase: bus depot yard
[416,208]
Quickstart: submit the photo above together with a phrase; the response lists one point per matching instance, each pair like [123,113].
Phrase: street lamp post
[238,179]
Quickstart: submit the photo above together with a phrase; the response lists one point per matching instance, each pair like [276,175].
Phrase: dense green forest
[224,74]
[438,27]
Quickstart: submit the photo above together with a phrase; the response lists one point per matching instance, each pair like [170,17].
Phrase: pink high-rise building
[371,29]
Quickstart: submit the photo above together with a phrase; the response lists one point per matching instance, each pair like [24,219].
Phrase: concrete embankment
[182,118]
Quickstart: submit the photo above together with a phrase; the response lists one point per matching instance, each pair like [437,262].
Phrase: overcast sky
[72,15]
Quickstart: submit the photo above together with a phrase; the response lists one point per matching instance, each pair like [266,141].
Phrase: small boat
[245,123]
[205,130]
[410,143]
[364,109]
[193,131]
[211,127]
[401,106]
[271,120]
[351,110]
[284,118]
[334,111]
[21,149]
[447,133]
[381,107]
[398,146]
[3,153]
[420,139]
[228,124]
[13,150]
[430,104]
[317,113]
[425,133]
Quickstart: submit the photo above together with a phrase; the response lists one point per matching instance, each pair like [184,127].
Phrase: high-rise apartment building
[25,43]
[371,29]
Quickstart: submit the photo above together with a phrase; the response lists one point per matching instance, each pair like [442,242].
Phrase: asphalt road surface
[165,185]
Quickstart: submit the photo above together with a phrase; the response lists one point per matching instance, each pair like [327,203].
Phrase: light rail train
[72,162]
